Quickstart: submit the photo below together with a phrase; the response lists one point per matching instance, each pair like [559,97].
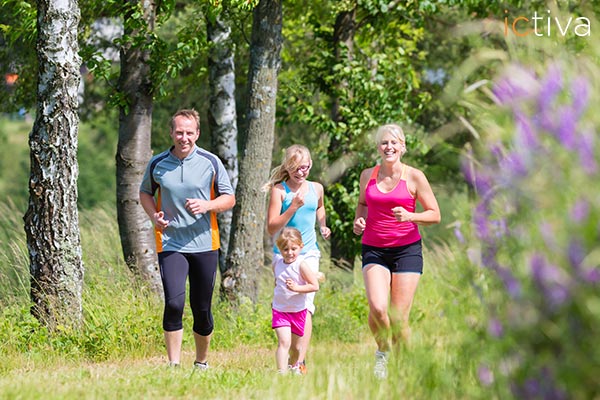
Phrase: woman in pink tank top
[392,258]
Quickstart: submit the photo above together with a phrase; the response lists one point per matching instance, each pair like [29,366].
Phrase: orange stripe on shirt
[157,232]
[214,226]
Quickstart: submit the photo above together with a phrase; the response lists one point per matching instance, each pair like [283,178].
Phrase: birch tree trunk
[246,255]
[133,149]
[222,114]
[52,220]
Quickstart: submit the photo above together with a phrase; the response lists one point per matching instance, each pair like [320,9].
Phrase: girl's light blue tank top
[304,218]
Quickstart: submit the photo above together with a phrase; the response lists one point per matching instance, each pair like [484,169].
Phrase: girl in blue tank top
[297,202]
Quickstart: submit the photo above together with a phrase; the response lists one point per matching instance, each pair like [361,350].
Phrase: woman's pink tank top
[382,229]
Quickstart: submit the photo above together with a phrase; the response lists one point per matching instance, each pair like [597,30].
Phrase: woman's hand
[359,225]
[402,215]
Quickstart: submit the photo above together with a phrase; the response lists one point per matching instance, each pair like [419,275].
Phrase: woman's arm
[424,194]
[360,215]
[321,214]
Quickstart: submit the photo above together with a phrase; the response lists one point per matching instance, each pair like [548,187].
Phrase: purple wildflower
[557,295]
[526,136]
[549,279]
[580,94]
[458,233]
[541,271]
[551,86]
[495,328]
[580,211]
[477,179]
[480,219]
[591,275]
[486,376]
[545,120]
[585,147]
[518,83]
[514,165]
[565,131]
[547,231]
[576,253]
[512,284]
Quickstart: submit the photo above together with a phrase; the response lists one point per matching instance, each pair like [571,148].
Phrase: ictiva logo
[544,25]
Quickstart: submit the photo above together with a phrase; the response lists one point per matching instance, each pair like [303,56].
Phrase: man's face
[184,134]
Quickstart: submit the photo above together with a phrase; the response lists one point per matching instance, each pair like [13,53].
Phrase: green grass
[119,352]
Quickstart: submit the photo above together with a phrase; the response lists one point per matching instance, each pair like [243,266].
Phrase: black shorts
[408,258]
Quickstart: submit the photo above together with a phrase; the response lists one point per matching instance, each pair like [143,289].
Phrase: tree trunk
[222,114]
[134,152]
[246,255]
[343,45]
[52,220]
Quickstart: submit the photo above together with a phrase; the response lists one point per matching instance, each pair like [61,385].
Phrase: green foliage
[379,80]
[96,149]
[18,31]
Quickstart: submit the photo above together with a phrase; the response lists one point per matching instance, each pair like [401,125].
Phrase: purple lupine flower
[556,295]
[551,86]
[513,164]
[526,135]
[500,228]
[576,253]
[543,272]
[485,374]
[547,231]
[580,94]
[495,328]
[546,120]
[585,148]
[567,124]
[549,279]
[512,284]
[458,233]
[477,179]
[580,211]
[488,256]
[480,219]
[591,275]
[532,388]
[517,83]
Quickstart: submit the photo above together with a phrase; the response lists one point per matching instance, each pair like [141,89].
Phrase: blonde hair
[393,129]
[294,155]
[289,235]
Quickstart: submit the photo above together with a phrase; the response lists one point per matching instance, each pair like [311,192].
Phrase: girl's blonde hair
[294,155]
[393,129]
[289,235]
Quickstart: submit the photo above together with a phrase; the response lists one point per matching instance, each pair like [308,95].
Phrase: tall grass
[119,351]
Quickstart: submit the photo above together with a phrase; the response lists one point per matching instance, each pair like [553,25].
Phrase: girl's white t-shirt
[285,300]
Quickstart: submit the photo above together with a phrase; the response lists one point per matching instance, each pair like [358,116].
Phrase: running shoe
[302,367]
[200,366]
[381,360]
